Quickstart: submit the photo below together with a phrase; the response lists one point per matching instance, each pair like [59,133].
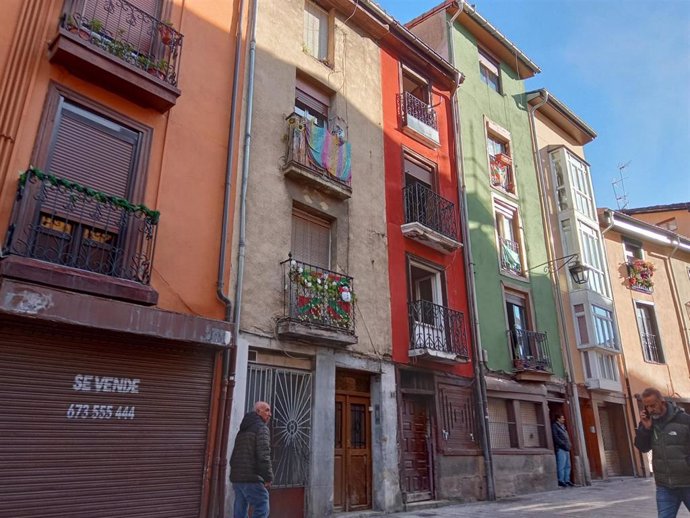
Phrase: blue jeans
[563,466]
[250,494]
[668,500]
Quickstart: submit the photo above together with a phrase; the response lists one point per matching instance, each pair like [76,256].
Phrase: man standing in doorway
[665,430]
[251,472]
[561,443]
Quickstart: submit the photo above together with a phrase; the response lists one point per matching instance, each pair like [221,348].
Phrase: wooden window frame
[329,59]
[48,126]
[657,332]
[503,207]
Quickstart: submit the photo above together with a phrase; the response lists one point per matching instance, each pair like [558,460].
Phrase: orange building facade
[113,165]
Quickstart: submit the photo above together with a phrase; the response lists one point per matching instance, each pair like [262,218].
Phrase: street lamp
[579,273]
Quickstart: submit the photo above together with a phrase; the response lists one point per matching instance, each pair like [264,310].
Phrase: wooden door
[352,478]
[416,472]
[608,435]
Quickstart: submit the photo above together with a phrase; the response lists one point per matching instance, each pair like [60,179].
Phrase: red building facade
[431,333]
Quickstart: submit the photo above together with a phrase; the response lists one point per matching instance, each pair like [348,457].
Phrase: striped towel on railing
[329,152]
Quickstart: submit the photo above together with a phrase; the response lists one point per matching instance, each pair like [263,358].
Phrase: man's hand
[267,485]
[645,420]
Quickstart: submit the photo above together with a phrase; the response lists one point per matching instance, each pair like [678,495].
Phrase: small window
[649,333]
[632,250]
[508,230]
[533,429]
[316,32]
[502,424]
[500,164]
[311,239]
[415,86]
[669,224]
[489,71]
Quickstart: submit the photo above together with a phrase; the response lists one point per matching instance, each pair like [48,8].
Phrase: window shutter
[316,30]
[532,428]
[423,174]
[311,239]
[458,432]
[92,151]
[312,97]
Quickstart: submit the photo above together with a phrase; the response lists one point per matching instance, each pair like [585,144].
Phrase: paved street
[618,498]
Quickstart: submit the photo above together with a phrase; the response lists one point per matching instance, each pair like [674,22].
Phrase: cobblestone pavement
[616,498]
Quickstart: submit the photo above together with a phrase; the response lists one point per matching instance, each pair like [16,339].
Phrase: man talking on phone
[665,430]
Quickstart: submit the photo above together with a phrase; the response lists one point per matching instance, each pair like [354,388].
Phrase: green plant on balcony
[95,25]
[640,274]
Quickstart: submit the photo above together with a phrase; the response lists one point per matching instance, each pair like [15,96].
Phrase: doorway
[352,452]
[416,449]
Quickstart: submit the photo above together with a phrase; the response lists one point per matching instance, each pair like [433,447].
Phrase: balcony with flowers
[318,305]
[121,47]
[640,275]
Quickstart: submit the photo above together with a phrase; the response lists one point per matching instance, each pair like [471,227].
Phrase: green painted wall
[509,111]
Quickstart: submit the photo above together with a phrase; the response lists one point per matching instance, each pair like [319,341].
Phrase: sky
[622,66]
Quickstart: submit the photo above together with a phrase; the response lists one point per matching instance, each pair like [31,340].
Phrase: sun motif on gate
[291,427]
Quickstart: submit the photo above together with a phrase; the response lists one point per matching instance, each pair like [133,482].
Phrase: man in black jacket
[251,472]
[665,429]
[561,443]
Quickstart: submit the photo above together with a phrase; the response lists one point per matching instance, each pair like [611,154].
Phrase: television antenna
[619,187]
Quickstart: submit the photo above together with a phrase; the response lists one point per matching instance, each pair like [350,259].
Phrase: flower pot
[166,34]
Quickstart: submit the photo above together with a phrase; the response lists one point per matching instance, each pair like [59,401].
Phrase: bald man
[251,472]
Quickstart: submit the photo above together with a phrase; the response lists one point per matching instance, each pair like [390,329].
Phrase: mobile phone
[644,414]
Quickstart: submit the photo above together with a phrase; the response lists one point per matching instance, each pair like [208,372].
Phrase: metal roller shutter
[95,427]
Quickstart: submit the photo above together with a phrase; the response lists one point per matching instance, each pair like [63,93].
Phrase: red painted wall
[398,246]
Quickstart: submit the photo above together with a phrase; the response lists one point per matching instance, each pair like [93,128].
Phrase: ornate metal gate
[289,394]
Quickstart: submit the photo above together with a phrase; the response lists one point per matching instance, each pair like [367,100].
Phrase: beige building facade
[314,332]
[593,345]
[650,274]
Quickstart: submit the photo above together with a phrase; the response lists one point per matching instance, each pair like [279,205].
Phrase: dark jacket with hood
[251,456]
[561,441]
[669,440]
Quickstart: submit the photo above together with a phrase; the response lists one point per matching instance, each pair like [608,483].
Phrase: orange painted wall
[398,246]
[186,164]
[682,218]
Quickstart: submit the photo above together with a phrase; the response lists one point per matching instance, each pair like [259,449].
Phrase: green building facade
[515,299]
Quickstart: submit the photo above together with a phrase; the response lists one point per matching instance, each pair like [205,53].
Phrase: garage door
[92,427]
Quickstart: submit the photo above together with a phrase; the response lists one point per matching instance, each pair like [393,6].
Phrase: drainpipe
[478,363]
[572,390]
[229,358]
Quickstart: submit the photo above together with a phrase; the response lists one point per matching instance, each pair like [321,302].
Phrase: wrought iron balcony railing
[64,223]
[431,210]
[323,153]
[437,328]
[652,351]
[423,112]
[530,349]
[127,33]
[317,296]
[510,256]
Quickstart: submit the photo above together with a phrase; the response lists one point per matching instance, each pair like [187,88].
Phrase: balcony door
[518,325]
[426,289]
[98,153]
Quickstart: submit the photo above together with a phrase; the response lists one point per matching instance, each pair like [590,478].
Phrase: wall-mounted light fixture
[579,273]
